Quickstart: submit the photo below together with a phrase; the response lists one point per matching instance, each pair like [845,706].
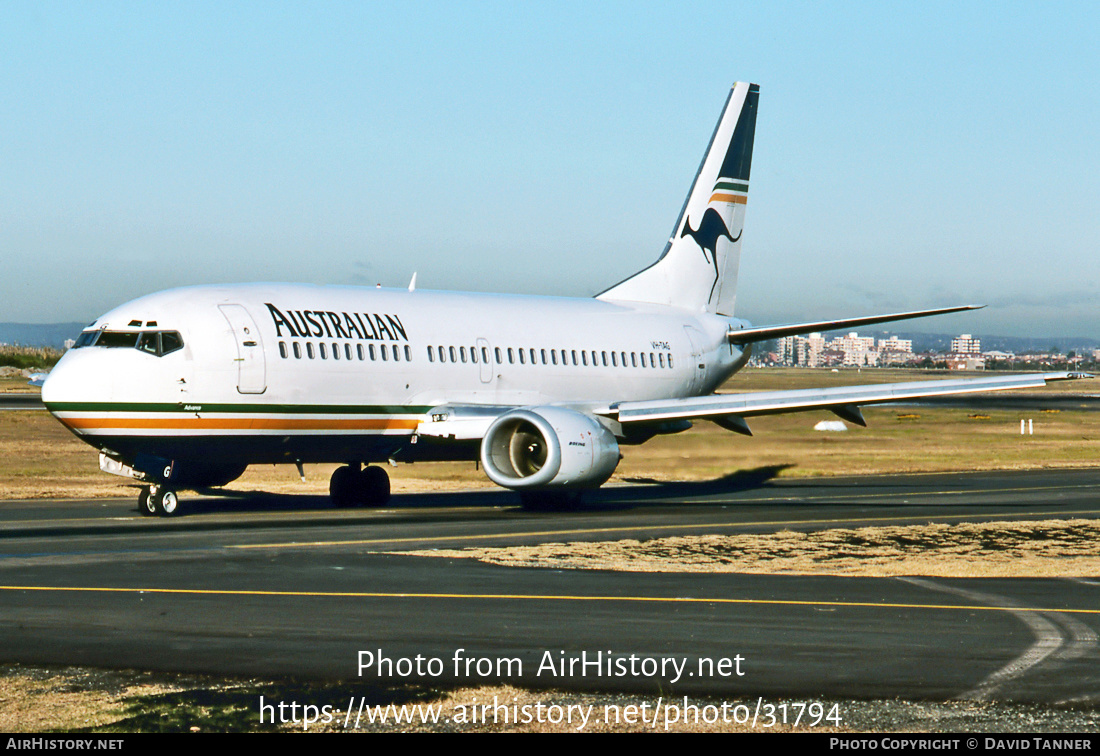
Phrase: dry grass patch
[1052,548]
[37,700]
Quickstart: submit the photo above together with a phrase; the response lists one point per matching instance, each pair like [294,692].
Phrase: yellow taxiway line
[537,597]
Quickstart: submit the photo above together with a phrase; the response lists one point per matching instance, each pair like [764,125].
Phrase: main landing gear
[350,486]
[158,501]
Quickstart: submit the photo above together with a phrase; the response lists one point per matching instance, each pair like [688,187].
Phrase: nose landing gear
[158,501]
[350,486]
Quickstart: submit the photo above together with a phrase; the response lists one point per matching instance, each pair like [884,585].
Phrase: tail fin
[698,268]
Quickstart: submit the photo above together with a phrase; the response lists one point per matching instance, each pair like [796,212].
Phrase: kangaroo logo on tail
[710,230]
[716,205]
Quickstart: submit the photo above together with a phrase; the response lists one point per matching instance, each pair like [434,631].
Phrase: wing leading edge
[843,400]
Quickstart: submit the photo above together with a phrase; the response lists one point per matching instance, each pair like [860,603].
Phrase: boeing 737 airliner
[187,387]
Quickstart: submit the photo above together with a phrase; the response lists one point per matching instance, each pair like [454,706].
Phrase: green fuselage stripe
[263,409]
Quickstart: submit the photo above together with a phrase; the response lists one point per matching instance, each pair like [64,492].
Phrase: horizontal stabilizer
[763,333]
[842,400]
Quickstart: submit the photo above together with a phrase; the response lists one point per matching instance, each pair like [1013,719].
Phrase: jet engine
[548,447]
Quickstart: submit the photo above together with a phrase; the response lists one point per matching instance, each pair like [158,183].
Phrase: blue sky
[936,154]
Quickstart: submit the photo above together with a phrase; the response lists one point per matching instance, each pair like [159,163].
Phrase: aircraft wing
[843,400]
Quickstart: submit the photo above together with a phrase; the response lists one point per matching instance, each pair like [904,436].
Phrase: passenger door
[251,366]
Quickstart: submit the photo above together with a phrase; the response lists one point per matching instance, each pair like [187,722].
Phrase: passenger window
[454,354]
[282,350]
[499,360]
[396,353]
[347,351]
[408,353]
[462,353]
[522,359]
[373,354]
[359,349]
[309,349]
[297,351]
[385,353]
[431,354]
[335,351]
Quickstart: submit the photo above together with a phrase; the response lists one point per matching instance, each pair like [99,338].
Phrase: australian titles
[300,324]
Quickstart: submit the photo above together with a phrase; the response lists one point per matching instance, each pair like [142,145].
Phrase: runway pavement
[275,585]
[18,401]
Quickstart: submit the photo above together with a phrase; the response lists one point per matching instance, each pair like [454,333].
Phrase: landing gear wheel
[343,486]
[167,503]
[145,503]
[374,486]
[367,487]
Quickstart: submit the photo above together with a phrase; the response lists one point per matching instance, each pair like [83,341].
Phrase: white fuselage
[265,369]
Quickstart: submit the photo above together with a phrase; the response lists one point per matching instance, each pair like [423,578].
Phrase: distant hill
[35,334]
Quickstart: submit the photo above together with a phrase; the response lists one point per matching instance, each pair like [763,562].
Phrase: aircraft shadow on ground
[643,492]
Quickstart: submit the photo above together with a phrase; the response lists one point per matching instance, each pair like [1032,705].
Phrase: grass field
[40,459]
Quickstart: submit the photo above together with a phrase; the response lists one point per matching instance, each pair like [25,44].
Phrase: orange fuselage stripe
[257,423]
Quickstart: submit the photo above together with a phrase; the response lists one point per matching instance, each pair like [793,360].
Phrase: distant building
[788,349]
[894,344]
[815,346]
[963,362]
[966,344]
[894,351]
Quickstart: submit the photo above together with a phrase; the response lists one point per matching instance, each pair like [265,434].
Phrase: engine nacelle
[548,446]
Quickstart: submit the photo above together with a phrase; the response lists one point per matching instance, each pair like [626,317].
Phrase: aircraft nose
[74,383]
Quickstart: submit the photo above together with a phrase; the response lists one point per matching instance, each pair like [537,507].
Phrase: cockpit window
[170,341]
[157,343]
[86,338]
[149,342]
[117,339]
